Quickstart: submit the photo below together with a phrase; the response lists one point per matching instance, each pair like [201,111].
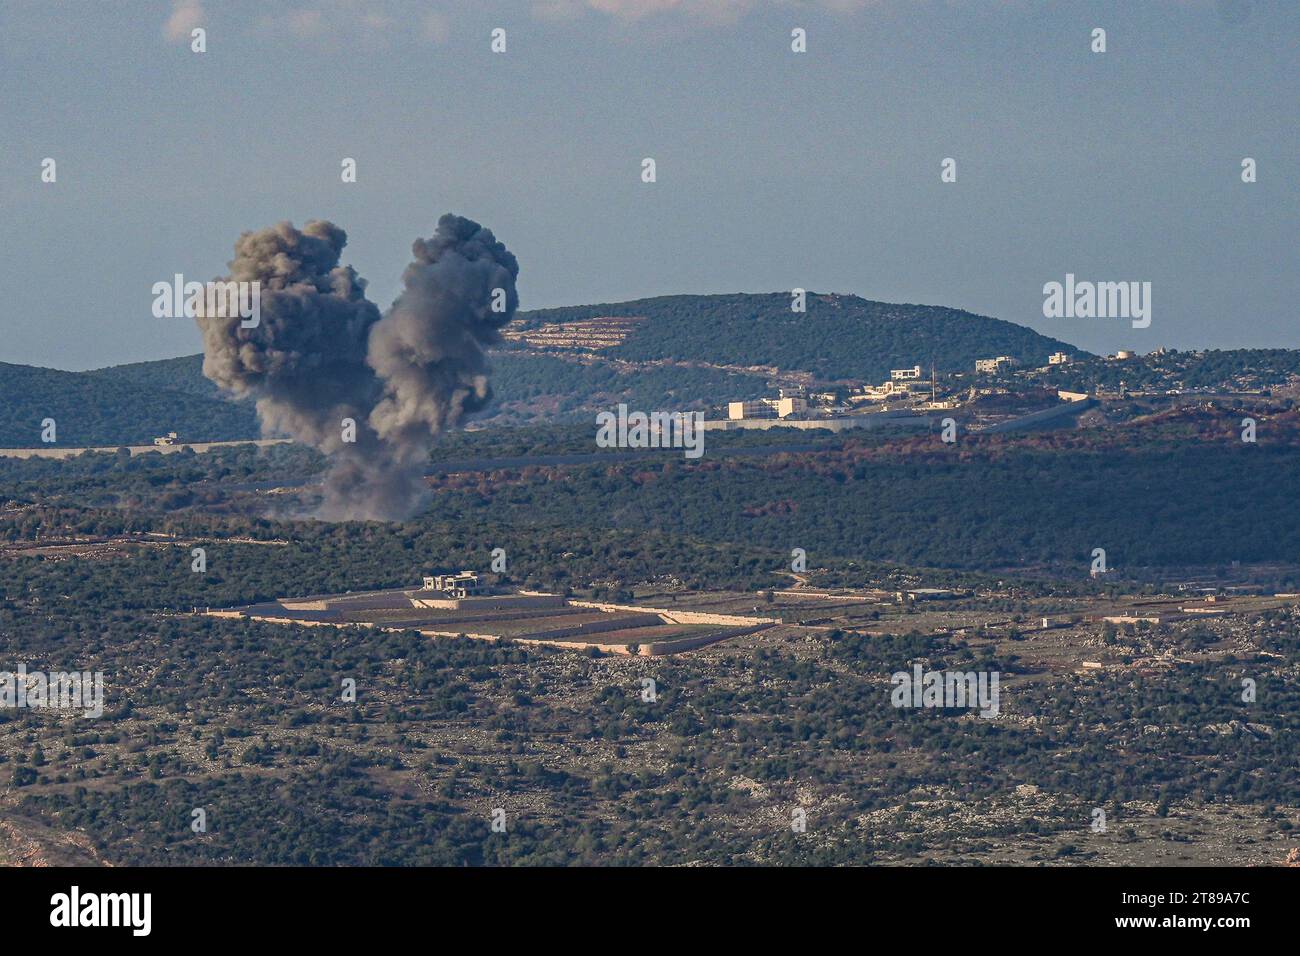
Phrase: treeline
[985,504]
[93,409]
[1169,505]
[838,336]
[1214,368]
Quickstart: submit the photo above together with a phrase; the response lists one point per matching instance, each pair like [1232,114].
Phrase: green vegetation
[546,388]
[245,720]
[839,336]
[91,408]
[1224,371]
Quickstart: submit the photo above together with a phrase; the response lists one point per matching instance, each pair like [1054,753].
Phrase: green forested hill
[532,387]
[132,404]
[114,407]
[183,374]
[839,336]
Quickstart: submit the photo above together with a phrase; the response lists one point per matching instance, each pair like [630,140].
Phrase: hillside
[838,337]
[183,374]
[664,352]
[114,407]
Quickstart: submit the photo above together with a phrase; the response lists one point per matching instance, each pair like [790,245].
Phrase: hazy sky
[775,169]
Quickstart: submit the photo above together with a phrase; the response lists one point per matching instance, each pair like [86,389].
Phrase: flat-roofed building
[464,584]
[994,365]
[785,407]
[758,408]
[788,407]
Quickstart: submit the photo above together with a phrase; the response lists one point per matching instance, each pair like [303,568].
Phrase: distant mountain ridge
[837,337]
[114,406]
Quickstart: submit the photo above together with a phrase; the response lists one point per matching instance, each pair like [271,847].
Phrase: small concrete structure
[462,585]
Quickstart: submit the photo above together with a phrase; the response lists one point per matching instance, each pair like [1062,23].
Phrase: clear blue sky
[775,170]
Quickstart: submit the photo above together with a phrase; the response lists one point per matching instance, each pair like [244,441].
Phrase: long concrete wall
[596,627]
[557,637]
[1034,419]
[678,616]
[346,602]
[652,649]
[876,420]
[54,451]
[489,602]
[659,649]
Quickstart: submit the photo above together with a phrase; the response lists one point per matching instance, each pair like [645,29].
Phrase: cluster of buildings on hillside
[905,386]
[907,390]
[908,393]
[791,402]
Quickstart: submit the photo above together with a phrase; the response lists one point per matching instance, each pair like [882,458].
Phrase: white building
[902,374]
[1058,358]
[787,407]
[767,408]
[890,389]
[758,408]
[460,585]
[994,365]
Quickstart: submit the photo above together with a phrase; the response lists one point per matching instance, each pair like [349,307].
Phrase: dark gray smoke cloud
[323,353]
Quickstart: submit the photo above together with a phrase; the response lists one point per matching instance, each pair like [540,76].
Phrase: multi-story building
[788,407]
[757,408]
[784,407]
[903,374]
[462,585]
[994,365]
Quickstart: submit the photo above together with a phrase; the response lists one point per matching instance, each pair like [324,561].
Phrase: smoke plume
[322,353]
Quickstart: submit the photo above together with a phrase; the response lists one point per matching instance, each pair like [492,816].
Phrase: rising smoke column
[429,349]
[322,353]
